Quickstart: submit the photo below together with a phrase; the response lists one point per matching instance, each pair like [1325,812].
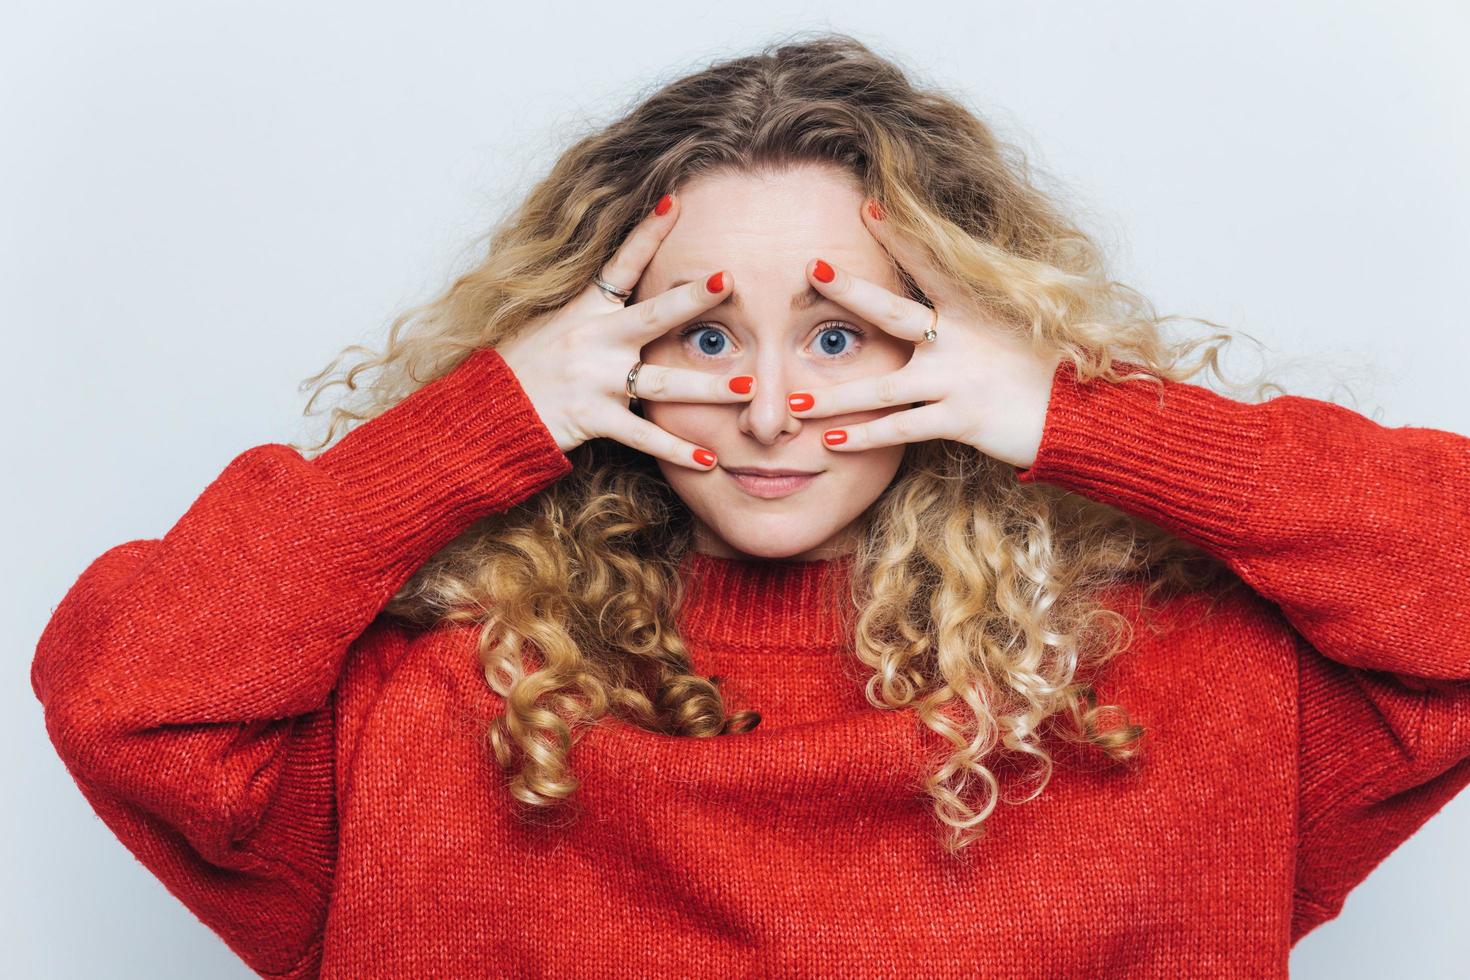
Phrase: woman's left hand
[983,385]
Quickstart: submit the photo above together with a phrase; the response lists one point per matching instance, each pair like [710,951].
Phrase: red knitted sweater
[306,778]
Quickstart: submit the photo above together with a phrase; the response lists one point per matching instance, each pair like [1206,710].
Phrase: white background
[201,203]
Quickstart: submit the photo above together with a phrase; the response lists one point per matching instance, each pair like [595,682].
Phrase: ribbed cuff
[1182,457]
[465,445]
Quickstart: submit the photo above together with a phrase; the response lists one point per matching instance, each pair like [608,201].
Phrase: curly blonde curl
[977,600]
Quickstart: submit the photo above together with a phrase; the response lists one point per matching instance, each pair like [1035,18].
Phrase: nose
[766,417]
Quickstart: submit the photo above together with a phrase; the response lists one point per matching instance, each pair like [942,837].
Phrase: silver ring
[631,385]
[619,296]
[931,334]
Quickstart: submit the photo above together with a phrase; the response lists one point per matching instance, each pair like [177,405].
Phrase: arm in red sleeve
[1360,534]
[188,681]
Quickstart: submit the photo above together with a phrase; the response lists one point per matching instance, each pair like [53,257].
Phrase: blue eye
[711,343]
[705,344]
[833,333]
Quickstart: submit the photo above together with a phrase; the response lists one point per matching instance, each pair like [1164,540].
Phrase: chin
[774,541]
[773,552]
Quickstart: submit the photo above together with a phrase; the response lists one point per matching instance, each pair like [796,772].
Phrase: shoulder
[1224,638]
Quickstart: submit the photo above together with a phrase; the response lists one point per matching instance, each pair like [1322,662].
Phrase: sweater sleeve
[1360,535]
[188,682]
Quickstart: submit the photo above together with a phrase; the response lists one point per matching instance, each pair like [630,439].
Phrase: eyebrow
[801,301]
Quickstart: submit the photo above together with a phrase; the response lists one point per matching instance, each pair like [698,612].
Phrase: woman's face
[765,230]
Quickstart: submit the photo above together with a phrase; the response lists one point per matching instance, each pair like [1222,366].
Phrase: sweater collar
[781,605]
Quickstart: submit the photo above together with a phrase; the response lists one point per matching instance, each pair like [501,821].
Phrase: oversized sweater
[308,779]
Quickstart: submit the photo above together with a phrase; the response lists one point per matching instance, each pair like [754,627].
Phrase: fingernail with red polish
[823,271]
[800,401]
[741,385]
[876,210]
[704,457]
[834,436]
[715,283]
[664,203]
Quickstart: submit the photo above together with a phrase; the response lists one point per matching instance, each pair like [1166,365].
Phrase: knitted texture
[308,779]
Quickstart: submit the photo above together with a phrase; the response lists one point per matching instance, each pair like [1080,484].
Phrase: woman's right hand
[574,363]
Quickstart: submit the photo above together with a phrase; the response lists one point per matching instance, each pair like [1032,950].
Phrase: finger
[658,383]
[914,425]
[644,436]
[914,260]
[636,251]
[894,314]
[650,319]
[893,388]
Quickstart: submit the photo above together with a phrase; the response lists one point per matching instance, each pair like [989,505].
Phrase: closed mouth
[770,473]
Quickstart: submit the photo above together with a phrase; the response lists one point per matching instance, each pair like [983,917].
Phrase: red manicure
[834,436]
[823,271]
[741,385]
[800,401]
[876,210]
[664,203]
[704,457]
[716,282]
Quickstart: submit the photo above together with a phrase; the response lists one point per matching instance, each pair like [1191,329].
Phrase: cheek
[876,465]
[879,464]
[655,352]
[667,350]
[860,478]
[896,353]
[685,420]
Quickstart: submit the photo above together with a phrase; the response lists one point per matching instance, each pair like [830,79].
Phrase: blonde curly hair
[974,599]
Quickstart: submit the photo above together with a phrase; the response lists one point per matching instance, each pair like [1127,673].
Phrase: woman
[533,672]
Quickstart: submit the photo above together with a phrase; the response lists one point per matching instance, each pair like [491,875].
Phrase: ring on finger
[631,385]
[932,333]
[618,296]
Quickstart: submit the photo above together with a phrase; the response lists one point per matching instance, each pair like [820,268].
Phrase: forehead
[765,228]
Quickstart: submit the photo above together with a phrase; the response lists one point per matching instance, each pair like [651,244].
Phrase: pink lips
[770,487]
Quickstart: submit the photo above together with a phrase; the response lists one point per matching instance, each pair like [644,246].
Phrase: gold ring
[932,333]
